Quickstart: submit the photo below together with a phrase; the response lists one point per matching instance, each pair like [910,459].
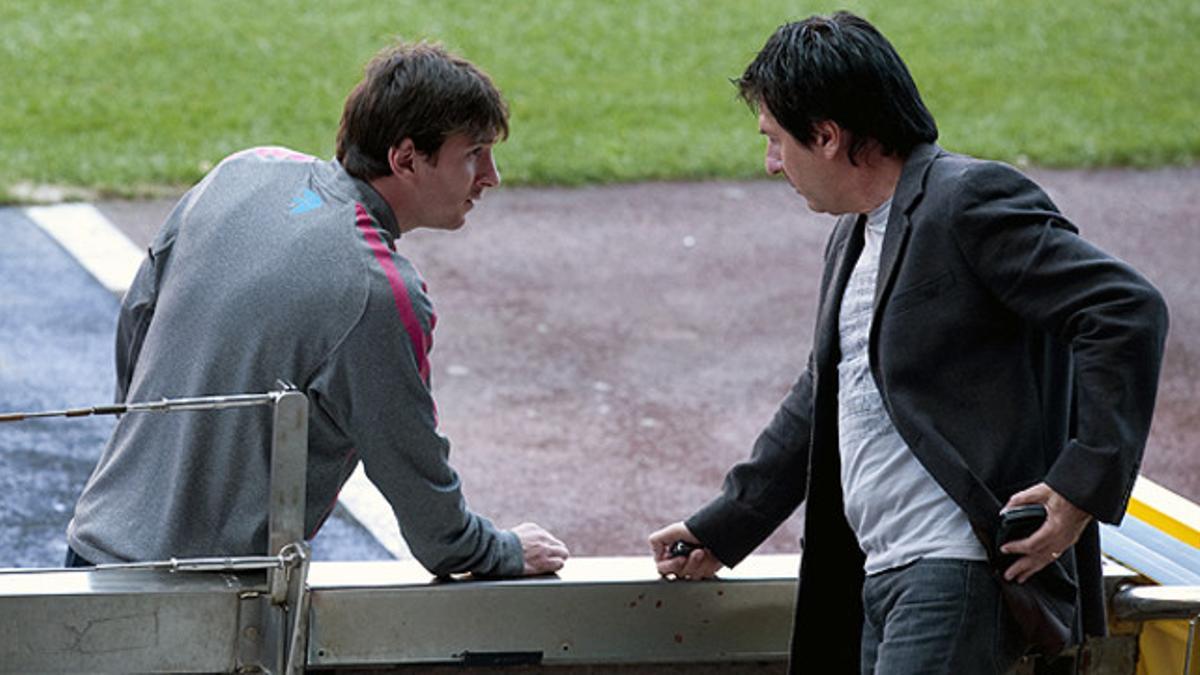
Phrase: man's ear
[402,158]
[828,138]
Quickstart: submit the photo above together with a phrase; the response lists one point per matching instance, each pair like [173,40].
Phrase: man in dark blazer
[972,354]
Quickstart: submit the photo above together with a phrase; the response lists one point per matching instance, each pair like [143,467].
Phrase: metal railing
[277,644]
[1138,604]
[256,610]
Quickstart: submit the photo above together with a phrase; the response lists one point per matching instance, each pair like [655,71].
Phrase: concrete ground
[604,354]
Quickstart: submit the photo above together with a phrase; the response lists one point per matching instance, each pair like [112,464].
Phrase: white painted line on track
[109,256]
[102,249]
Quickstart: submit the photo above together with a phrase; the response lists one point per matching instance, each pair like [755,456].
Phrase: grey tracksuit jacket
[277,266]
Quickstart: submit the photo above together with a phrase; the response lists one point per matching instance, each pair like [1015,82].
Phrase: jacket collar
[848,242]
[337,179]
[909,191]
[846,247]
[911,186]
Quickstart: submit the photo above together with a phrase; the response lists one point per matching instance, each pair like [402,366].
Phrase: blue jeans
[937,616]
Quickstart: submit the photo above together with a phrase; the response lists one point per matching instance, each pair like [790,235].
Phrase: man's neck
[392,192]
[875,180]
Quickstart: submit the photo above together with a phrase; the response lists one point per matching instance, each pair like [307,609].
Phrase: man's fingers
[548,553]
[546,557]
[550,548]
[1048,541]
[543,552]
[1041,541]
[1016,571]
[661,540]
[694,564]
[1027,566]
[1036,552]
[558,550]
[1038,494]
[701,564]
[550,541]
[660,547]
[670,567]
[544,566]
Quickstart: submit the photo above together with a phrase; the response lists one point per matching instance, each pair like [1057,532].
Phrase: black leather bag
[1044,607]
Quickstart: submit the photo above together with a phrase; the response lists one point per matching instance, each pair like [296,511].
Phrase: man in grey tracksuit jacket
[281,266]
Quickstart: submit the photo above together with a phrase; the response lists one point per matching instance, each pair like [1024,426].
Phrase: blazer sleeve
[1111,318]
[761,492]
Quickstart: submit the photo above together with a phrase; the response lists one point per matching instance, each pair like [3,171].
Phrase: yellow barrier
[1165,511]
[1163,644]
[1162,647]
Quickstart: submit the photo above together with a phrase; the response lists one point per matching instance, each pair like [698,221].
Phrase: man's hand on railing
[691,561]
[544,553]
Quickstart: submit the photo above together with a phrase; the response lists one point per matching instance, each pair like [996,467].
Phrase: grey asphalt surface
[604,354]
[55,322]
[56,352]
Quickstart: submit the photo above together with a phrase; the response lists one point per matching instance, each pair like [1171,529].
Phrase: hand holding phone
[682,549]
[1015,524]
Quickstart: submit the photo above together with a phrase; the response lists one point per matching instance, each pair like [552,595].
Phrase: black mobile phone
[1017,523]
[681,549]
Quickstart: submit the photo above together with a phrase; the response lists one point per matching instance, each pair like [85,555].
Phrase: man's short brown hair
[418,91]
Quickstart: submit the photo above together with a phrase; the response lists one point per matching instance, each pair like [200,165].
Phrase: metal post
[1149,603]
[1190,658]
[289,463]
[285,530]
[298,599]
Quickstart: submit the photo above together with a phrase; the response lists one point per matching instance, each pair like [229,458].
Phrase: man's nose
[489,175]
[773,165]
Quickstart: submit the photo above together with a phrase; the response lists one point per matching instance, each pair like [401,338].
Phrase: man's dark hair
[838,68]
[418,91]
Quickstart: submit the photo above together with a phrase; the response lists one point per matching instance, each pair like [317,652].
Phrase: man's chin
[807,200]
[451,223]
[816,207]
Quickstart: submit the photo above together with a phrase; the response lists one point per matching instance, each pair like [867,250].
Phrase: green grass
[128,96]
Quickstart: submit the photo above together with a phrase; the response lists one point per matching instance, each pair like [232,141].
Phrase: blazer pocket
[912,296]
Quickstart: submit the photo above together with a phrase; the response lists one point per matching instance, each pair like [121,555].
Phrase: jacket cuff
[1098,480]
[511,558]
[730,530]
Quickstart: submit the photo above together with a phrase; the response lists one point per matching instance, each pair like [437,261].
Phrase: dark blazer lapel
[845,252]
[908,194]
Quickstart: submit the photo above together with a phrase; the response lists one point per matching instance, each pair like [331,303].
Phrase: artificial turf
[132,96]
